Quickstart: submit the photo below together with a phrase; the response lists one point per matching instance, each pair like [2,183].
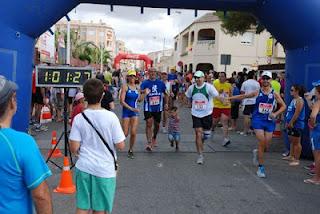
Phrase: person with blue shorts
[314,125]
[130,112]
[263,117]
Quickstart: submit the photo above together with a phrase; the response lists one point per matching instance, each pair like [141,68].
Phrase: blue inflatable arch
[294,23]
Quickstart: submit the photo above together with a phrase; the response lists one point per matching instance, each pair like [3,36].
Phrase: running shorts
[266,125]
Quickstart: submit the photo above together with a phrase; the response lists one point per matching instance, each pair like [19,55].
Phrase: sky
[142,33]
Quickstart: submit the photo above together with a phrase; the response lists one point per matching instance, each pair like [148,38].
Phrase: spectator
[78,106]
[22,169]
[107,101]
[275,83]
[234,105]
[96,166]
[295,124]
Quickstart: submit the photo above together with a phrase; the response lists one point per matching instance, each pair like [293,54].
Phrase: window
[247,38]
[205,67]
[175,46]
[206,34]
[91,33]
[190,67]
[101,34]
[192,38]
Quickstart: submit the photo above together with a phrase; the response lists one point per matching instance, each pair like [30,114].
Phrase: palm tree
[92,53]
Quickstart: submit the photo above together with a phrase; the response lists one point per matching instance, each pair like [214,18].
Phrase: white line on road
[267,186]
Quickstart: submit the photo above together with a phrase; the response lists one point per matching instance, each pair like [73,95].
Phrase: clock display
[62,76]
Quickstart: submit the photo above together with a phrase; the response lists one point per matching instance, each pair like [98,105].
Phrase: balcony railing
[206,42]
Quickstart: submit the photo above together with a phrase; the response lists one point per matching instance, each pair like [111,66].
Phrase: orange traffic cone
[66,185]
[277,131]
[56,153]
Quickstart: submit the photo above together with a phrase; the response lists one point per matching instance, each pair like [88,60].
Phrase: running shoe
[310,167]
[255,157]
[225,142]
[261,172]
[285,154]
[148,148]
[294,163]
[200,160]
[130,154]
[312,172]
[288,158]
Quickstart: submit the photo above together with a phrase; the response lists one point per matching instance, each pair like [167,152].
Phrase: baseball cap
[132,72]
[164,72]
[79,96]
[267,73]
[199,74]
[316,83]
[6,88]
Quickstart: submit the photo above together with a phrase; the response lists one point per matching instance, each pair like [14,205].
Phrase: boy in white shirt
[96,166]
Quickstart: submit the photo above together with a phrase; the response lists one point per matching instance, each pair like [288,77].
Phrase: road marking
[260,180]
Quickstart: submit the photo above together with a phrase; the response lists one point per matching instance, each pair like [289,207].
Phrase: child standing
[78,106]
[174,127]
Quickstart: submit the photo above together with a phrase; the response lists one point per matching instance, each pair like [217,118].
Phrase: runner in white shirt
[201,95]
[248,87]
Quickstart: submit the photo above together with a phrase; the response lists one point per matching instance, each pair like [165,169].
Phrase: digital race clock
[61,76]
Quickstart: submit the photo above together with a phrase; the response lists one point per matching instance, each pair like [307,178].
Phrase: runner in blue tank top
[314,124]
[155,99]
[128,99]
[263,117]
[295,124]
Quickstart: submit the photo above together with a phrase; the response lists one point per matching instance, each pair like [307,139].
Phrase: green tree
[92,53]
[235,23]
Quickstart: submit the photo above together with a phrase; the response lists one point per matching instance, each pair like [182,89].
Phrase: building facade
[162,60]
[203,44]
[101,34]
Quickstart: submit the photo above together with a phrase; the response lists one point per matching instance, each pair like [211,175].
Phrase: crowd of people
[96,132]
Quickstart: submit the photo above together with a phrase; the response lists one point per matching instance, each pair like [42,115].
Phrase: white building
[201,44]
[162,59]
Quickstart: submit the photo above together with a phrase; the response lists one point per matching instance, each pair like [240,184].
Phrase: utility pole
[68,42]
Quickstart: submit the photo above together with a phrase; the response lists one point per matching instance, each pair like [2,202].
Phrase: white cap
[267,73]
[199,74]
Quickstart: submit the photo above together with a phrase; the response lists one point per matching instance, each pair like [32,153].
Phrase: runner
[222,109]
[248,86]
[155,98]
[263,117]
[201,95]
[128,99]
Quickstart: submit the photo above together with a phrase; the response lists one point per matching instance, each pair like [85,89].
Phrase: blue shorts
[126,113]
[174,137]
[266,125]
[315,140]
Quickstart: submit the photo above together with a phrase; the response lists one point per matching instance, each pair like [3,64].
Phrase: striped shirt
[174,124]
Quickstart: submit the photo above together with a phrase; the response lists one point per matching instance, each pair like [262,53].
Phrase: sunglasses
[131,76]
[292,89]
[197,77]
[266,78]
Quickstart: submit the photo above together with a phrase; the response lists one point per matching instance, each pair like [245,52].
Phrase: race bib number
[199,105]
[265,108]
[154,101]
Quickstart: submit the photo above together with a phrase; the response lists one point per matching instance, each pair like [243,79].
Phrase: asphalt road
[171,182]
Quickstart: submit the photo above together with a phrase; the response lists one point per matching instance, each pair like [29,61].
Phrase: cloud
[142,33]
